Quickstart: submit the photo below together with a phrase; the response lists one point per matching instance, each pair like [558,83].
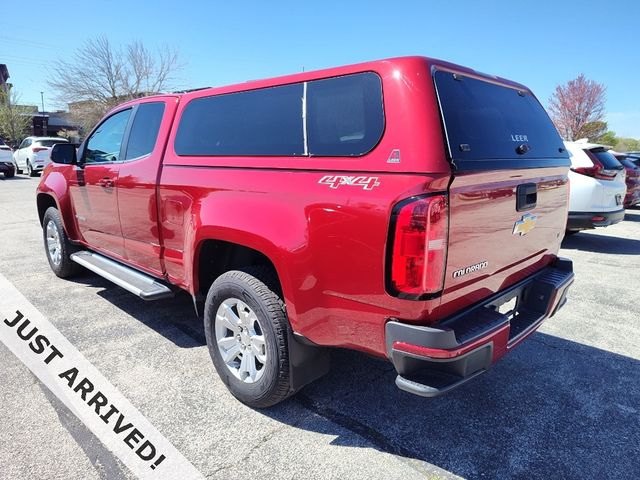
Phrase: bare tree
[15,119]
[577,103]
[100,76]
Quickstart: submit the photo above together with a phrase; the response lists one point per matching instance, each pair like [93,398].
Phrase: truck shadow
[594,242]
[173,318]
[552,409]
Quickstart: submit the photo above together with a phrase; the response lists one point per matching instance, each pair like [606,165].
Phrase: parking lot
[565,404]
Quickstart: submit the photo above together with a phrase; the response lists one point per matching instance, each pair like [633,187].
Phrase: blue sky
[539,43]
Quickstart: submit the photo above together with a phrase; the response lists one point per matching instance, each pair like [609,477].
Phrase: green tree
[608,138]
[626,145]
[15,119]
[592,130]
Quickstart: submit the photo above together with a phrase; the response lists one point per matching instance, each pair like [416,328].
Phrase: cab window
[144,131]
[106,141]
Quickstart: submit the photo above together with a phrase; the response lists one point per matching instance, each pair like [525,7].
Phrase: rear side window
[608,161]
[144,130]
[341,116]
[485,121]
[257,122]
[344,115]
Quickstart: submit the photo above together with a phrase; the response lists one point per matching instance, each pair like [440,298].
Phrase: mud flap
[307,362]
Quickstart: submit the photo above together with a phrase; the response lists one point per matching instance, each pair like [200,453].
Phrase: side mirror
[64,153]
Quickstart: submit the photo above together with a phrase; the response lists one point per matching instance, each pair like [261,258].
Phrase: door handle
[106,182]
[526,196]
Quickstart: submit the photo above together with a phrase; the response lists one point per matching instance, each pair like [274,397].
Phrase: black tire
[257,288]
[30,171]
[9,174]
[66,267]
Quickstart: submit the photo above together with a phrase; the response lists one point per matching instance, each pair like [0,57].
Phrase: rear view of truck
[488,248]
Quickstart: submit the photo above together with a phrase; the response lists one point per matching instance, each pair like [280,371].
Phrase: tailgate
[492,245]
[509,192]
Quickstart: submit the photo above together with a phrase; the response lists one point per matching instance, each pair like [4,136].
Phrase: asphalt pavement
[564,404]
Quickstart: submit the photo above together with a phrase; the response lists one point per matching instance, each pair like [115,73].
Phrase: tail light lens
[38,149]
[598,170]
[417,253]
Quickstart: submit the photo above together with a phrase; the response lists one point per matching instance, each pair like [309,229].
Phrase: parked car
[597,188]
[632,171]
[633,157]
[6,160]
[33,154]
[314,211]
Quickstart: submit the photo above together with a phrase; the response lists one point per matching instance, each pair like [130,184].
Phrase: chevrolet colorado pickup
[408,208]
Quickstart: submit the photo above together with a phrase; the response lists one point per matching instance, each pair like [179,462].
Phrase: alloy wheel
[240,340]
[54,245]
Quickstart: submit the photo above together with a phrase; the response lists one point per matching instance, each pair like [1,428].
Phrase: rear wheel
[30,171]
[57,245]
[9,174]
[247,330]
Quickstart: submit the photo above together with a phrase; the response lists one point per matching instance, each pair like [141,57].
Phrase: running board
[136,282]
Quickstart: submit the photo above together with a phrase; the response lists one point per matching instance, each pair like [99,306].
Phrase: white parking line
[86,392]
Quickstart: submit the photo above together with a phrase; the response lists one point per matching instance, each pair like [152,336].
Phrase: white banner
[86,392]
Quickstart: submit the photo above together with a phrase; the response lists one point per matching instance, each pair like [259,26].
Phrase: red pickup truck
[408,208]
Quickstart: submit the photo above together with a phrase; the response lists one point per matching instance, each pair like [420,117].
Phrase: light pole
[44,118]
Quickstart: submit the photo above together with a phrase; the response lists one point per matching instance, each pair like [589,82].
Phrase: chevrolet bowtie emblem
[525,224]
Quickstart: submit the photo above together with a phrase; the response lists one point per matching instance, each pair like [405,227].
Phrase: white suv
[33,154]
[597,185]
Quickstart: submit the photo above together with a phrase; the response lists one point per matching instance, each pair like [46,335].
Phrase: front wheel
[57,245]
[247,330]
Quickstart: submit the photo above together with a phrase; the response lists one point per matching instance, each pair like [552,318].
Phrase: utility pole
[44,118]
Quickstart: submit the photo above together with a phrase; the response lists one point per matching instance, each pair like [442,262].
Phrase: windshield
[486,121]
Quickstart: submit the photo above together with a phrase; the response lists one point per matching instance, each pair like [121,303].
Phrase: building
[50,124]
[4,76]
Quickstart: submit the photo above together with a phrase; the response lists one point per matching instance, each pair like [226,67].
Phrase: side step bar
[136,282]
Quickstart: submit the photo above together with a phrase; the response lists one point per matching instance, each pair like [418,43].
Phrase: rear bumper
[431,361]
[584,220]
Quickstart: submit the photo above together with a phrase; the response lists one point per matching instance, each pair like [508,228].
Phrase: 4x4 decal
[334,181]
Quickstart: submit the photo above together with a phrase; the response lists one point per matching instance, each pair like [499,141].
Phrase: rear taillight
[598,170]
[38,149]
[418,247]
